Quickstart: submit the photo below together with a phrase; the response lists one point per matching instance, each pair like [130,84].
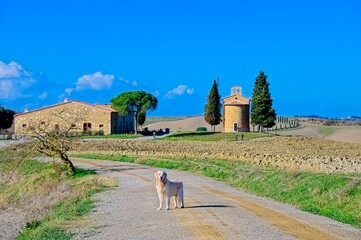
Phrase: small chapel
[236,111]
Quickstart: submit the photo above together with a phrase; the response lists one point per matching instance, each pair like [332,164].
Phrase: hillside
[185,124]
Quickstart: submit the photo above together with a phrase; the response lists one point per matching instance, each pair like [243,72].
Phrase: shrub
[201,129]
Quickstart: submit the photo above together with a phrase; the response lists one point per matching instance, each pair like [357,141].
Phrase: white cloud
[179,91]
[12,70]
[156,93]
[96,81]
[43,96]
[123,80]
[134,83]
[65,94]
[68,91]
[190,91]
[14,79]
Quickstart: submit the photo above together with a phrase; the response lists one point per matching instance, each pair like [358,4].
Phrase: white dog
[167,189]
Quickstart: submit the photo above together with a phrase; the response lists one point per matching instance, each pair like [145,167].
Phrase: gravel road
[213,210]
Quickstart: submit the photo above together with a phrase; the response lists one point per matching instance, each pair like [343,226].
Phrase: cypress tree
[212,110]
[262,112]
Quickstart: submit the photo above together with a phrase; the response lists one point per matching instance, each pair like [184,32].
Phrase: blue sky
[94,50]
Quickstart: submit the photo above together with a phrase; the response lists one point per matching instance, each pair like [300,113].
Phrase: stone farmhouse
[236,111]
[80,116]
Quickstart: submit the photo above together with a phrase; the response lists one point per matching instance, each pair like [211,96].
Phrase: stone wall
[83,117]
[236,114]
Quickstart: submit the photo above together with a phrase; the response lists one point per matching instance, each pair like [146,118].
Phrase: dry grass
[32,193]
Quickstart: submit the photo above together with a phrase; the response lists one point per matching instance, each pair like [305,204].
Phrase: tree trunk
[135,123]
[68,163]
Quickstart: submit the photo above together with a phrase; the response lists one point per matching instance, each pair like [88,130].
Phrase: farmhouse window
[101,125]
[24,125]
[87,127]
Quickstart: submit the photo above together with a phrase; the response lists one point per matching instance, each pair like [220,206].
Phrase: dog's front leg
[160,202]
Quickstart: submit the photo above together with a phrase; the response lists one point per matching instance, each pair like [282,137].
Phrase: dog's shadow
[209,206]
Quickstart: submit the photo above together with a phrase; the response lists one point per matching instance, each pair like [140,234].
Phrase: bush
[201,129]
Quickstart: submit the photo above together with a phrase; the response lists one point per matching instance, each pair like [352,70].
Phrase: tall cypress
[212,109]
[262,112]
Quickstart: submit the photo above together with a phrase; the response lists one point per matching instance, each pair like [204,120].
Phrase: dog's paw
[167,208]
[159,208]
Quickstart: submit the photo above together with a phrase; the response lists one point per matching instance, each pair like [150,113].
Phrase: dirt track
[212,210]
[293,153]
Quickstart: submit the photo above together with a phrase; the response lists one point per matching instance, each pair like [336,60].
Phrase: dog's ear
[165,174]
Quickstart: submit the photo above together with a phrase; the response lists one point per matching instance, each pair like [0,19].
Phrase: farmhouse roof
[236,99]
[104,107]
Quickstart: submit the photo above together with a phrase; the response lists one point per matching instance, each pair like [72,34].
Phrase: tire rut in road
[283,222]
[193,221]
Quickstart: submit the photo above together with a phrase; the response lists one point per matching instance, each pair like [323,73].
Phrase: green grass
[53,200]
[327,130]
[52,226]
[114,136]
[214,136]
[336,196]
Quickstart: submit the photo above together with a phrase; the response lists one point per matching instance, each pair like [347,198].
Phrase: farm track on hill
[292,153]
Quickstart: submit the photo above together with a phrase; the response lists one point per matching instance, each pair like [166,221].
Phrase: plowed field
[292,153]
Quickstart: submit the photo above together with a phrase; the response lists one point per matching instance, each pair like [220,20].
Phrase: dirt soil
[292,153]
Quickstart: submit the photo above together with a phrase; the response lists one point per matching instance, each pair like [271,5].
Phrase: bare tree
[53,137]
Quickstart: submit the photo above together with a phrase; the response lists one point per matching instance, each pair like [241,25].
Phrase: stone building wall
[236,112]
[84,117]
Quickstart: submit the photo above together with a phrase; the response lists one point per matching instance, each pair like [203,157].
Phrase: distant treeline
[349,121]
[350,118]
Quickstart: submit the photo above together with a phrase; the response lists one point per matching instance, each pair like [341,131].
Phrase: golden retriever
[167,189]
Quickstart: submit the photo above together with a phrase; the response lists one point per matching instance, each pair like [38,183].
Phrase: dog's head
[161,176]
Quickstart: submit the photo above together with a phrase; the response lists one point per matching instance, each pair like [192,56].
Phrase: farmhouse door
[235,127]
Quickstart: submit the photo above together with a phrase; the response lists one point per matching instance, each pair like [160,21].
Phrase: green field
[113,136]
[327,130]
